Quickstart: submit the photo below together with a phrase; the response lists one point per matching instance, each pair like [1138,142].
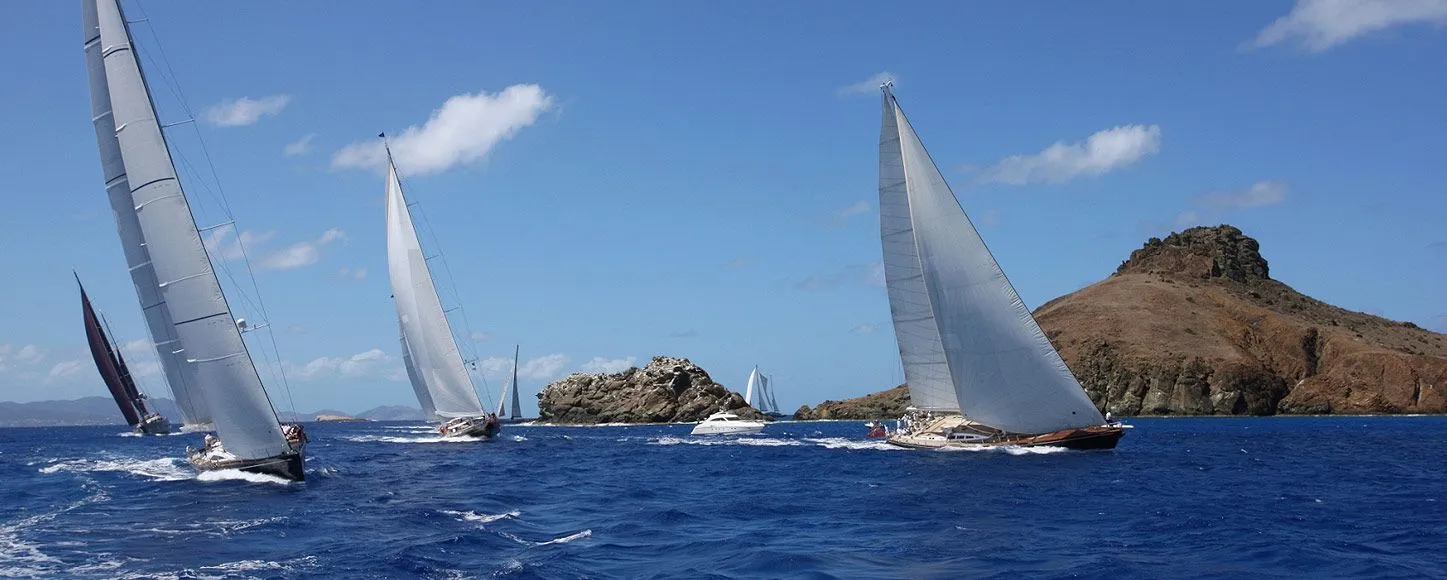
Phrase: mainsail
[180,376]
[966,339]
[419,387]
[200,338]
[517,407]
[107,364]
[434,361]
[759,393]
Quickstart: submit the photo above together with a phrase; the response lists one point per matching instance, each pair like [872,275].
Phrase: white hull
[726,424]
[475,427]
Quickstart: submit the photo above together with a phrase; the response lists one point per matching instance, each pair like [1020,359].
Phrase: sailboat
[198,341]
[759,394]
[429,351]
[510,394]
[980,371]
[117,376]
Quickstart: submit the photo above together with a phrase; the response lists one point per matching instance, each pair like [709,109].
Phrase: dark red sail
[130,383]
[105,360]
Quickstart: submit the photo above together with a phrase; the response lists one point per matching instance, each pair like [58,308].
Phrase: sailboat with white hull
[198,340]
[980,371]
[117,376]
[429,351]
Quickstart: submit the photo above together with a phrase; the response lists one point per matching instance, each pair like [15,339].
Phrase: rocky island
[666,390]
[1193,324]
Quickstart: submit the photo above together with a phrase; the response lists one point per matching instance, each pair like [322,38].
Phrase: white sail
[749,390]
[517,406]
[423,397]
[1002,369]
[143,276]
[206,335]
[427,338]
[768,385]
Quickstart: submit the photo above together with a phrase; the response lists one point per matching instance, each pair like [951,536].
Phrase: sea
[1285,497]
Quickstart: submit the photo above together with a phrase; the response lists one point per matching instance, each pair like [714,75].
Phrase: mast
[426,334]
[128,381]
[961,326]
[105,361]
[517,409]
[206,341]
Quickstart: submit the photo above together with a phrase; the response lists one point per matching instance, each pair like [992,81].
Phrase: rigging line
[225,206]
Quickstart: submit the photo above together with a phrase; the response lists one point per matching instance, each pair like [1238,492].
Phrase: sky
[607,182]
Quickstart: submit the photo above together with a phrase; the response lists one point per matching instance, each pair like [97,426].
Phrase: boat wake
[845,443]
[20,558]
[397,439]
[519,438]
[715,440]
[1006,449]
[163,469]
[471,516]
[239,475]
[562,540]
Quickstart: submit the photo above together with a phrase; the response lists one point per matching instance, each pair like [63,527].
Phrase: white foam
[472,516]
[562,540]
[519,438]
[1007,449]
[395,439]
[163,469]
[749,441]
[239,475]
[845,443]
[19,558]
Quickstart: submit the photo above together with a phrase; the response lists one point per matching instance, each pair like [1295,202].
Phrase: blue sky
[613,181]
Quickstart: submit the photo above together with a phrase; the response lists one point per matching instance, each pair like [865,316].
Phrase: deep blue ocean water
[1346,497]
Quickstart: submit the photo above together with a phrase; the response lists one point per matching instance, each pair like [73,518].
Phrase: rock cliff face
[666,390]
[882,405]
[1194,325]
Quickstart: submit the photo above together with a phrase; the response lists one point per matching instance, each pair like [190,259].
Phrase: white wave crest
[472,516]
[845,443]
[395,439]
[22,559]
[163,469]
[749,441]
[239,475]
[1007,449]
[519,438]
[562,540]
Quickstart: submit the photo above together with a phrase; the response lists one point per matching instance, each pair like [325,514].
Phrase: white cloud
[300,146]
[301,254]
[541,368]
[141,358]
[1317,25]
[352,273]
[865,328]
[65,370]
[28,355]
[223,246]
[480,335]
[245,111]
[1105,151]
[461,132]
[599,364]
[867,85]
[360,364]
[1260,194]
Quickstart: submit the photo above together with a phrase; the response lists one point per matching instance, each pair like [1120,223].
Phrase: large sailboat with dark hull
[198,340]
[429,351]
[117,376]
[980,371]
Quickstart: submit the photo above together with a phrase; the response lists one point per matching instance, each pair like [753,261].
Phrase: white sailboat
[979,369]
[510,394]
[759,394]
[197,339]
[429,350]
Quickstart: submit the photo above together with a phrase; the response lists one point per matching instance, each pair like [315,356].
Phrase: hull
[474,427]
[286,466]
[744,429]
[154,425]
[1084,438]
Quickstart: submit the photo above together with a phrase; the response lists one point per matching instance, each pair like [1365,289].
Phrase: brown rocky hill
[1194,325]
[666,390]
[882,405]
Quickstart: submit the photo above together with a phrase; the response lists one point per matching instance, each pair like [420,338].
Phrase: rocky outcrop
[666,390]
[882,405]
[1194,325]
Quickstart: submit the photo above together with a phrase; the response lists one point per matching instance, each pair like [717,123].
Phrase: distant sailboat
[979,369]
[117,376]
[759,394]
[429,351]
[510,394]
[198,340]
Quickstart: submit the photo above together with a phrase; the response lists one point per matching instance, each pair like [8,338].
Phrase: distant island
[666,390]
[102,411]
[1193,324]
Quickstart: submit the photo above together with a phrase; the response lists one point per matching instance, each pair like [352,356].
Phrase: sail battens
[201,318]
[966,339]
[162,243]
[214,359]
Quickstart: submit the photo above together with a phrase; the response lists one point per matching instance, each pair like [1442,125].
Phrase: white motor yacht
[725,423]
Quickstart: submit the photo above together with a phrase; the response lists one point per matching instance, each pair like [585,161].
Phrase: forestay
[1002,369]
[206,340]
[427,338]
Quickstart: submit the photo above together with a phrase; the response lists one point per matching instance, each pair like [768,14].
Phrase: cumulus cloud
[28,355]
[865,328]
[66,370]
[480,335]
[300,146]
[1261,193]
[1317,25]
[599,364]
[538,369]
[245,110]
[1103,152]
[364,363]
[461,132]
[223,245]
[302,254]
[141,358]
[865,86]
[352,273]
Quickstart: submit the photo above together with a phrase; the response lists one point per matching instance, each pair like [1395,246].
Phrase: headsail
[749,389]
[179,375]
[426,336]
[517,407]
[966,338]
[207,343]
[105,361]
[423,397]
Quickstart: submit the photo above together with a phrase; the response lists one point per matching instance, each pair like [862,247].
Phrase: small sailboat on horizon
[117,375]
[980,371]
[759,394]
[197,339]
[429,351]
[510,395]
